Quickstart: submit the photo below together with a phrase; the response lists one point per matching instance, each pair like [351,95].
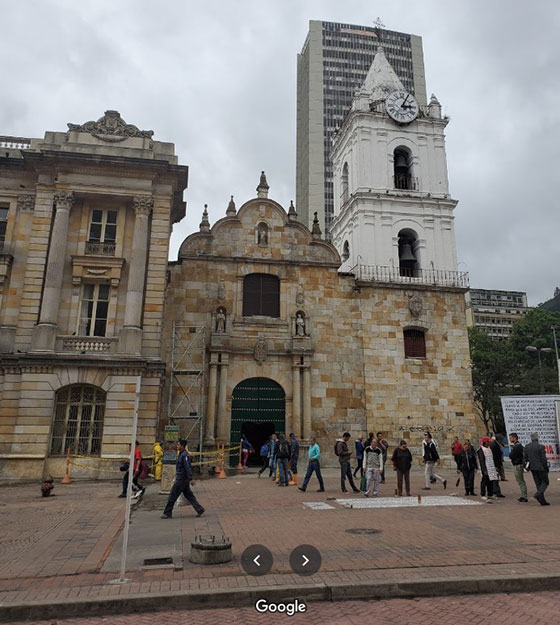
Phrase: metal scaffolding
[186,384]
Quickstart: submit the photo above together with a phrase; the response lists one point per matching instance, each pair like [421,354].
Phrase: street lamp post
[546,350]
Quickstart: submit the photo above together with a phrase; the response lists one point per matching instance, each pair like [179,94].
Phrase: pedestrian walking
[467,463]
[344,455]
[294,454]
[246,449]
[282,458]
[182,483]
[384,446]
[456,449]
[534,457]
[516,457]
[359,446]
[272,456]
[431,456]
[432,477]
[402,462]
[373,466]
[313,466]
[498,456]
[489,475]
[264,454]
[135,473]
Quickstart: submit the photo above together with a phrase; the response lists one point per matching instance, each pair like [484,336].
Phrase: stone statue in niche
[300,323]
[416,305]
[262,234]
[221,319]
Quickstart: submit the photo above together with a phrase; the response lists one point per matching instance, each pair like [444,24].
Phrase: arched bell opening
[402,169]
[345,251]
[344,194]
[409,264]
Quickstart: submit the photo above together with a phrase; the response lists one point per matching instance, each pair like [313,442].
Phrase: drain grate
[363,530]
[157,561]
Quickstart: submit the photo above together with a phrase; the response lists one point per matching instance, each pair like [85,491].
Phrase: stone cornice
[256,259]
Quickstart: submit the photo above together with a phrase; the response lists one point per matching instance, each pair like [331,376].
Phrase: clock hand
[407,96]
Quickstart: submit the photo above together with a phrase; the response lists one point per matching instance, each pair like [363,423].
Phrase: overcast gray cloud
[219,80]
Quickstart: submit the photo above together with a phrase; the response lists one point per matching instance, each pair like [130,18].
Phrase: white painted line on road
[318,505]
[405,502]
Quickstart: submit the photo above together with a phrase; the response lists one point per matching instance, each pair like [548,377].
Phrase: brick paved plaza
[67,548]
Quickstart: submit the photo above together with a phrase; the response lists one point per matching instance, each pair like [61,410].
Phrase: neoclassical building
[86,217]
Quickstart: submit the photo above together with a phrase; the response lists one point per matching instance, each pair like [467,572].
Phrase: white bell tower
[392,210]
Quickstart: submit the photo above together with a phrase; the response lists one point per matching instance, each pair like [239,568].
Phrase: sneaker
[344,490]
[320,490]
[165,516]
[523,500]
[500,495]
[200,512]
[444,484]
[426,488]
[484,497]
[302,489]
[136,494]
[122,495]
[356,490]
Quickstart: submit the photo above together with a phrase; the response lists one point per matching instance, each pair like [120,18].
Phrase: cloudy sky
[218,78]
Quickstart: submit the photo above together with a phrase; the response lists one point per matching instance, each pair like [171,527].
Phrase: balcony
[100,248]
[15,143]
[420,277]
[405,182]
[88,344]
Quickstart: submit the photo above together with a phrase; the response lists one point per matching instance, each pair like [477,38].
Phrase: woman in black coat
[468,464]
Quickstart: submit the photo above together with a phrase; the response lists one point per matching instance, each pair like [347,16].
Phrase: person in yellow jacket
[158,460]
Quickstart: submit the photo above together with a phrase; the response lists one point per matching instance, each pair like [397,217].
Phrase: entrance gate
[258,408]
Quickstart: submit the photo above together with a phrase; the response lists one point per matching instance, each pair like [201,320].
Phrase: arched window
[408,253]
[344,195]
[345,251]
[414,343]
[261,295]
[402,169]
[78,420]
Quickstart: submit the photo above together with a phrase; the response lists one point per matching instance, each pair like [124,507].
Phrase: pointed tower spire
[381,78]
[231,212]
[262,189]
[205,224]
[292,214]
[316,230]
[434,107]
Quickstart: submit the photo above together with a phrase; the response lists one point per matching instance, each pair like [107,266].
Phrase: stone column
[296,401]
[307,431]
[223,434]
[130,339]
[44,333]
[211,411]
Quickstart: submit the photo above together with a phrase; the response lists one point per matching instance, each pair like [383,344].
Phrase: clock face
[402,107]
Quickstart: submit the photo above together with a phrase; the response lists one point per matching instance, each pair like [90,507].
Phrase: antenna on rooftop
[378,23]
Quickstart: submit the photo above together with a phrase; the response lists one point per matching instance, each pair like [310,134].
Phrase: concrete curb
[243,597]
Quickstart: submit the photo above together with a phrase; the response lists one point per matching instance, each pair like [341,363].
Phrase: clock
[402,106]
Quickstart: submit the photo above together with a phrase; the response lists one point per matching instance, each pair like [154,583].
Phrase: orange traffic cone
[222,474]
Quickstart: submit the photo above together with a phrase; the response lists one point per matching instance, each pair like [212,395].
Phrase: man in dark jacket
[516,457]
[294,453]
[534,456]
[343,453]
[282,457]
[430,457]
[183,479]
[466,461]
[498,455]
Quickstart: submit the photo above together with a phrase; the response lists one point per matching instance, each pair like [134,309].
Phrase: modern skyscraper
[333,64]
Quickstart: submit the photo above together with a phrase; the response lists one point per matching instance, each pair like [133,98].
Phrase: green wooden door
[258,408]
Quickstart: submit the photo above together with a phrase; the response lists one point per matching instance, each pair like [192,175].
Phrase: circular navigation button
[256,560]
[305,560]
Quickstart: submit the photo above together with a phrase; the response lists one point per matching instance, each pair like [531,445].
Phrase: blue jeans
[313,467]
[176,490]
[283,467]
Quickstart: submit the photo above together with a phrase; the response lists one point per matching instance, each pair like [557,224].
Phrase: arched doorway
[258,408]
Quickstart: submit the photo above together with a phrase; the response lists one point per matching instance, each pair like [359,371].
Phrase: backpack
[336,450]
[283,450]
[264,450]
[143,469]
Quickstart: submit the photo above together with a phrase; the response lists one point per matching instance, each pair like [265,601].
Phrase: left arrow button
[256,560]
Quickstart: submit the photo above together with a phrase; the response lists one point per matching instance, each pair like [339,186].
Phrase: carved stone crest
[111,128]
[416,305]
[300,298]
[221,291]
[260,351]
[26,203]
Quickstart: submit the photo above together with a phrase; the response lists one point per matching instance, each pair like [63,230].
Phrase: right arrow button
[305,560]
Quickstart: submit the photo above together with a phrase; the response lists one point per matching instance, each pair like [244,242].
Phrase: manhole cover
[362,530]
[157,561]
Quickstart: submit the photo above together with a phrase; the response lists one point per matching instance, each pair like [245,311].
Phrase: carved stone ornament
[64,199]
[221,291]
[261,350]
[142,204]
[26,203]
[300,298]
[111,128]
[416,305]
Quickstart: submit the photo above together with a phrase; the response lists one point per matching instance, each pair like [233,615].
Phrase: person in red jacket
[135,474]
[456,449]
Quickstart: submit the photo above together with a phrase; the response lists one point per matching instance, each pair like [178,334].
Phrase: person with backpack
[282,457]
[264,453]
[341,450]
[137,473]
[431,456]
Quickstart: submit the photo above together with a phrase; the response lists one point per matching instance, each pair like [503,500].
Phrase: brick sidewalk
[55,548]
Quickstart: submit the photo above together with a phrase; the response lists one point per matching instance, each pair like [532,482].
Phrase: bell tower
[392,212]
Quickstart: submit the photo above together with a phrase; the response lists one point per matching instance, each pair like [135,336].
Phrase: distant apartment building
[495,312]
[333,64]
